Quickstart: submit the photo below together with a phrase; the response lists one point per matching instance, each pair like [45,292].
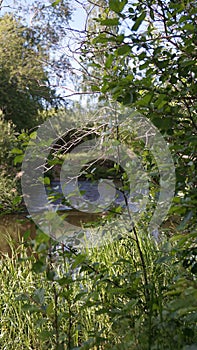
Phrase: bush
[9,193]
[7,141]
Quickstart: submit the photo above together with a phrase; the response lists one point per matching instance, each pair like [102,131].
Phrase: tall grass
[103,298]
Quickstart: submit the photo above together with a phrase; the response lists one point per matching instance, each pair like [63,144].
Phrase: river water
[14,226]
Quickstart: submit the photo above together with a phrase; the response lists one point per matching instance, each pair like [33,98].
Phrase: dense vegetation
[135,292]
[99,299]
[24,82]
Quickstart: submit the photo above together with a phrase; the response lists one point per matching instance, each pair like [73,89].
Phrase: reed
[99,298]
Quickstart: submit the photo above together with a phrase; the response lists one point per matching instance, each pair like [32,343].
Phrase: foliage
[9,180]
[8,137]
[135,292]
[146,59]
[9,193]
[47,23]
[24,81]
[64,299]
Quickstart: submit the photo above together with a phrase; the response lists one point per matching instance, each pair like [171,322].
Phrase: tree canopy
[143,55]
[24,82]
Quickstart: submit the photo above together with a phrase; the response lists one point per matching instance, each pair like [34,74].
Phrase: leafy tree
[144,56]
[48,23]
[24,82]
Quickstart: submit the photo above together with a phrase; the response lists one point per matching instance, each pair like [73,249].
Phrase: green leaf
[110,22]
[16,151]
[41,237]
[123,50]
[80,296]
[138,21]
[95,88]
[22,297]
[65,281]
[55,3]
[26,235]
[33,135]
[38,295]
[51,275]
[16,200]
[184,222]
[38,266]
[109,61]
[162,104]
[18,159]
[95,65]
[117,5]
[145,100]
[152,16]
[128,98]
[31,308]
[45,335]
[79,260]
[50,309]
[120,38]
[190,27]
[47,180]
[144,65]
[142,55]
[161,101]
[103,38]
[162,123]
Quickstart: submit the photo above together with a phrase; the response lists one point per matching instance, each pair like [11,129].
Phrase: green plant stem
[55,296]
[69,322]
